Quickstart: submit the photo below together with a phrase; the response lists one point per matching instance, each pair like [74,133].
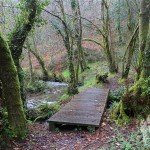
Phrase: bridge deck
[85,109]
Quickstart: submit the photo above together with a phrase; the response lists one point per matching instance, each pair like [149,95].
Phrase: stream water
[50,95]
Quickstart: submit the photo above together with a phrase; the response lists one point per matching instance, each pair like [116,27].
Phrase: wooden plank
[85,109]
[77,117]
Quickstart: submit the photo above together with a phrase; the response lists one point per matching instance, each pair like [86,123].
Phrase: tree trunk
[78,34]
[106,39]
[130,49]
[1,95]
[119,23]
[30,66]
[81,61]
[18,37]
[137,98]
[146,60]
[73,84]
[11,91]
[130,22]
[125,72]
[68,41]
[3,20]
[41,62]
[143,33]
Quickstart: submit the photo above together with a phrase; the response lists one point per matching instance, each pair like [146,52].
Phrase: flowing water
[50,95]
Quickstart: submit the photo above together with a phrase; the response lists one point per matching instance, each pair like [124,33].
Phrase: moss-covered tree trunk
[72,89]
[41,62]
[11,90]
[78,35]
[78,28]
[126,70]
[137,98]
[31,67]
[133,30]
[146,60]
[18,37]
[118,21]
[1,95]
[130,49]
[106,36]
[144,39]
[68,42]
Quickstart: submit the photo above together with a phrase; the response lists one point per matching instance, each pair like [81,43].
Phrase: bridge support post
[52,126]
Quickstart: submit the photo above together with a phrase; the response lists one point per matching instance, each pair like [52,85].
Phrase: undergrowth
[6,134]
[46,110]
[123,141]
[36,86]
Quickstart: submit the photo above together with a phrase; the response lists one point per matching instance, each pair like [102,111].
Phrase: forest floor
[107,137]
[73,138]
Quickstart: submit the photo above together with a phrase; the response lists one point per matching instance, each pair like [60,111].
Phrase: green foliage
[64,97]
[6,134]
[91,129]
[126,142]
[145,85]
[115,96]
[102,78]
[57,130]
[113,105]
[147,142]
[57,77]
[73,4]
[87,78]
[43,112]
[134,103]
[65,73]
[146,135]
[118,114]
[78,128]
[25,10]
[46,111]
[88,83]
[40,6]
[36,86]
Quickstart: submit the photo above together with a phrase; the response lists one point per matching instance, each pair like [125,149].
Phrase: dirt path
[70,137]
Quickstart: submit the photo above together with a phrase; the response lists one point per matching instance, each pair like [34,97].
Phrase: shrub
[43,112]
[47,110]
[126,142]
[115,96]
[36,86]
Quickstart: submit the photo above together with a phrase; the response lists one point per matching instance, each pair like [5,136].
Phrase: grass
[63,98]
[65,73]
[90,75]
[88,83]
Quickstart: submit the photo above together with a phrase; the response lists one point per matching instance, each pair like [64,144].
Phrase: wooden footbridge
[85,109]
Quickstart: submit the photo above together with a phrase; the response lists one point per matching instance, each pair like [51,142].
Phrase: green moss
[65,73]
[111,75]
[118,114]
[134,103]
[88,83]
[11,90]
[121,81]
